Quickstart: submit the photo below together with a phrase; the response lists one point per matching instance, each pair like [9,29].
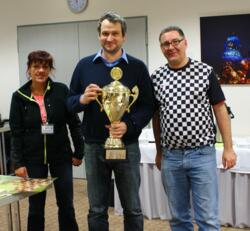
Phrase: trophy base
[115,154]
[115,150]
[113,143]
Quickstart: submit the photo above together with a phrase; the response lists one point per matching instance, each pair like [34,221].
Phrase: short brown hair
[113,17]
[40,56]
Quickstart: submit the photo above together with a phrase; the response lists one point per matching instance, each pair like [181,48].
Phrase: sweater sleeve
[142,111]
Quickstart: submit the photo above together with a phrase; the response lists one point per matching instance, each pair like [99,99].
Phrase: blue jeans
[127,178]
[186,171]
[64,197]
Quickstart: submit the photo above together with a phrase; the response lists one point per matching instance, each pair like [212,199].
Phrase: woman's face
[39,72]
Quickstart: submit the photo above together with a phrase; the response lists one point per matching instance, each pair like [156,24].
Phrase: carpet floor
[81,209]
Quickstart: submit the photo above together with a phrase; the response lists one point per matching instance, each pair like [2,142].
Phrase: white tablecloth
[234,188]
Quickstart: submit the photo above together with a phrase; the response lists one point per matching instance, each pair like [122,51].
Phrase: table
[12,208]
[234,187]
[13,189]
[3,161]
[12,211]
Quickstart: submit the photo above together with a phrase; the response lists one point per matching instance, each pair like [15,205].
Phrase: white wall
[160,13]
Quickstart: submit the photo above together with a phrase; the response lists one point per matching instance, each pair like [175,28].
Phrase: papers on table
[10,185]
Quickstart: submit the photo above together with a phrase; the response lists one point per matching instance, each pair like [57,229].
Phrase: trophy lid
[116,73]
[116,87]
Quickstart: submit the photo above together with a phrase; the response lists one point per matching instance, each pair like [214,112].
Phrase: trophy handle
[98,101]
[135,94]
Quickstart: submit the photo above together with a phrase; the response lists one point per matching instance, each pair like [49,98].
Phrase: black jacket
[28,145]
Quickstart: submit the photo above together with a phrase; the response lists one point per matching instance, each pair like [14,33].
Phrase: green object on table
[12,185]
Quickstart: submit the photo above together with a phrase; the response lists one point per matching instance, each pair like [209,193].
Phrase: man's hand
[90,93]
[158,159]
[117,129]
[229,158]
[22,172]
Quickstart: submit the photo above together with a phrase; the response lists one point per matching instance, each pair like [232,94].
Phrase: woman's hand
[76,162]
[22,172]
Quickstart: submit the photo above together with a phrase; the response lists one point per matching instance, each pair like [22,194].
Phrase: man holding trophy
[114,91]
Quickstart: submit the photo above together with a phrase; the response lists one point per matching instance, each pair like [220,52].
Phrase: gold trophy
[115,98]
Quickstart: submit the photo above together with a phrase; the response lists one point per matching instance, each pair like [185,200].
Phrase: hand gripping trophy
[115,101]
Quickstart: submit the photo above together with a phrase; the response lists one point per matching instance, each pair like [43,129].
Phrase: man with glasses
[186,91]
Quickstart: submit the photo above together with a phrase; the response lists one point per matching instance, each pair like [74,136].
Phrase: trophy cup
[115,101]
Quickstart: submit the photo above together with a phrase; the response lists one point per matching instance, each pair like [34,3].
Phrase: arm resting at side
[229,157]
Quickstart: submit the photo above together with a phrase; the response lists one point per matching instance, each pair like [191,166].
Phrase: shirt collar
[111,64]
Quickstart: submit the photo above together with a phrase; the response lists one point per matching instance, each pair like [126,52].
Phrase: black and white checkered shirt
[184,97]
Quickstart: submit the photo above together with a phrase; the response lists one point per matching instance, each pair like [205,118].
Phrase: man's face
[173,46]
[110,37]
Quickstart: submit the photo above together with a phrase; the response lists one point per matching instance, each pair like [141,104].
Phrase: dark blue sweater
[134,73]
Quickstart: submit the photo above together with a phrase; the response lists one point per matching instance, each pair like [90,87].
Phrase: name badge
[47,129]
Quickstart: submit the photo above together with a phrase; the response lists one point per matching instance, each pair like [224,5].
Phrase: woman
[40,142]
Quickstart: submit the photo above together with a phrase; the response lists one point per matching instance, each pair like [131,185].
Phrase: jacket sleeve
[73,100]
[74,124]
[76,135]
[17,131]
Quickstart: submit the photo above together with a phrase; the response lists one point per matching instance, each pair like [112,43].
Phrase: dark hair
[113,17]
[40,57]
[171,28]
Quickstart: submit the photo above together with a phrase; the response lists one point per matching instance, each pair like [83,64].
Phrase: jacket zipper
[44,136]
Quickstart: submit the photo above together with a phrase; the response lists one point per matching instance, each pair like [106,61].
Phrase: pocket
[133,153]
[206,156]
[172,154]
[93,151]
[207,150]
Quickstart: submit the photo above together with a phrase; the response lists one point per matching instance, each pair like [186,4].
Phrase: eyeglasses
[174,43]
